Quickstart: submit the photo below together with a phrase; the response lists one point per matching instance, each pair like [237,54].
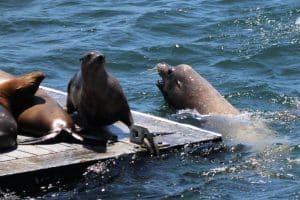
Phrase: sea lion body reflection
[97,96]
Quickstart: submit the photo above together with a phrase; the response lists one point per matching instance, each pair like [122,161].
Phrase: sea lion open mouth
[164,70]
[160,83]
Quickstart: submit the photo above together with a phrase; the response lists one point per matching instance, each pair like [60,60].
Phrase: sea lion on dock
[8,129]
[96,95]
[42,117]
[12,93]
[184,88]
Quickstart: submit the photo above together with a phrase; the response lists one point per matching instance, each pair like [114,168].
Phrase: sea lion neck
[5,102]
[5,95]
[100,77]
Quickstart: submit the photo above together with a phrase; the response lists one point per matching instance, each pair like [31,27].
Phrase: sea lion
[12,93]
[8,129]
[184,88]
[41,116]
[97,96]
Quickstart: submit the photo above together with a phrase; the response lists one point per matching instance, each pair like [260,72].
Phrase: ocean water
[249,50]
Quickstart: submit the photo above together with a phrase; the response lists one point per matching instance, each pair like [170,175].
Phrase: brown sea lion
[96,95]
[41,116]
[12,93]
[184,88]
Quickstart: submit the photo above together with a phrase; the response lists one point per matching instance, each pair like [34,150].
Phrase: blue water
[249,50]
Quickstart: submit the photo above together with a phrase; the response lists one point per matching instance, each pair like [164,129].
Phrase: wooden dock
[36,158]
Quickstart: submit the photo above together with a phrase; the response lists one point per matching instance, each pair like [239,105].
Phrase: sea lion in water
[41,116]
[12,92]
[184,88]
[97,96]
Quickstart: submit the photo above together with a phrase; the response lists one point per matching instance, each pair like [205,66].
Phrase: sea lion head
[19,89]
[28,84]
[176,83]
[91,63]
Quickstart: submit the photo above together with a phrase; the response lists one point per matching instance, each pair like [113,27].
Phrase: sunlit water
[249,50]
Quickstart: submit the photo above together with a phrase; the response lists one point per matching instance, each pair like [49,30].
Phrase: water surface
[249,50]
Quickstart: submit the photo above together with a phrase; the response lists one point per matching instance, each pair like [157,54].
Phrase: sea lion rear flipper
[41,140]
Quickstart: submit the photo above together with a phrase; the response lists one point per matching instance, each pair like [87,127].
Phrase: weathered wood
[34,150]
[34,158]
[69,157]
[5,158]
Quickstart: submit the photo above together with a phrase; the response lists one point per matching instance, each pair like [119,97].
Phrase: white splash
[298,21]
[241,129]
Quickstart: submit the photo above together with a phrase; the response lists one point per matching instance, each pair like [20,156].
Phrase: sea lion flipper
[70,108]
[41,140]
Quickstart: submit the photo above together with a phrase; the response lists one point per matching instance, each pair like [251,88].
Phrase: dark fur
[96,95]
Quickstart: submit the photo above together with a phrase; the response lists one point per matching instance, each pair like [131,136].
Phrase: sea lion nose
[163,68]
[101,58]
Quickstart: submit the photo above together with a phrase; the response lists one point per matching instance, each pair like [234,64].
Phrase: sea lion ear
[178,83]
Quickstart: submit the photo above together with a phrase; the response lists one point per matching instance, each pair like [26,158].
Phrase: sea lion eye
[85,57]
[169,71]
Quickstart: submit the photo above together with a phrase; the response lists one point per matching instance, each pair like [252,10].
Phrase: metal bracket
[142,136]
[138,134]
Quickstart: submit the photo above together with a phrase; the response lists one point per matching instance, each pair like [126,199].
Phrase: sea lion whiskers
[149,71]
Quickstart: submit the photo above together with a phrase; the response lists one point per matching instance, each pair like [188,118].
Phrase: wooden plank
[5,158]
[34,149]
[56,147]
[42,162]
[18,154]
